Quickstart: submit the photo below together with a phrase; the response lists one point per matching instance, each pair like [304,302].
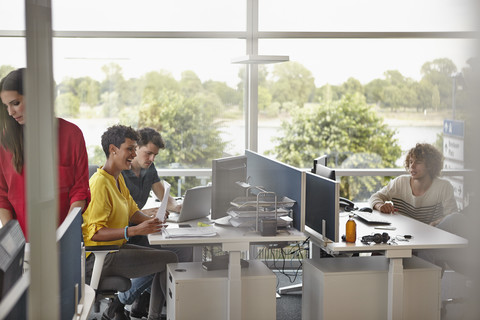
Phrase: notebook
[196,204]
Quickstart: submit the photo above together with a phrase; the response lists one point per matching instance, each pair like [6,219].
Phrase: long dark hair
[11,132]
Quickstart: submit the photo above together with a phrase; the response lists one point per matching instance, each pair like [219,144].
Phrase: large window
[366,80]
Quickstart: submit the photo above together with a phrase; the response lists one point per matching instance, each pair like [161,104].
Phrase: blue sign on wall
[454,128]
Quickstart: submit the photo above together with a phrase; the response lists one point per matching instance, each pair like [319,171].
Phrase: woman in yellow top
[106,220]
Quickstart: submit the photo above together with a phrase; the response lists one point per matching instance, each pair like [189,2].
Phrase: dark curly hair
[432,158]
[116,135]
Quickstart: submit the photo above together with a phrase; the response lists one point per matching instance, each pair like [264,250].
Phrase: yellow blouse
[108,208]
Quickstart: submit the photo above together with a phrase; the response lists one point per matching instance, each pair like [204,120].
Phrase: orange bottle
[351,230]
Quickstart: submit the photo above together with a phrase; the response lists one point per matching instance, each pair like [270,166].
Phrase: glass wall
[365,81]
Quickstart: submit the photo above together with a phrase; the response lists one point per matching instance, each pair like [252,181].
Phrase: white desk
[234,241]
[423,237]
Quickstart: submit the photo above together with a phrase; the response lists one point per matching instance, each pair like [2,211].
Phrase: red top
[72,175]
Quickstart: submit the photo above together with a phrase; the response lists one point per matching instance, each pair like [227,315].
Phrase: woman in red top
[72,163]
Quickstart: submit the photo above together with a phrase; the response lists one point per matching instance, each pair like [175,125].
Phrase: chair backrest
[92,168]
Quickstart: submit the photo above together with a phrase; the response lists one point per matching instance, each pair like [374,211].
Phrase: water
[407,136]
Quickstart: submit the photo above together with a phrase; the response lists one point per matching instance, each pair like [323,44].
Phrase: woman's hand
[146,227]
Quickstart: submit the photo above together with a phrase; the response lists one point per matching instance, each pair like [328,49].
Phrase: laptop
[196,204]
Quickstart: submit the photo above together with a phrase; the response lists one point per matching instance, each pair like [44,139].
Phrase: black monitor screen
[321,207]
[226,172]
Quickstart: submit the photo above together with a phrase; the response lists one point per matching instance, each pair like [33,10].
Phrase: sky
[331,61]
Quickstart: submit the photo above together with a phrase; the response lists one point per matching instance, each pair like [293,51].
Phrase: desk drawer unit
[194,293]
[357,288]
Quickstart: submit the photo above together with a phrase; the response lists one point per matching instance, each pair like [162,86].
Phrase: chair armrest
[100,253]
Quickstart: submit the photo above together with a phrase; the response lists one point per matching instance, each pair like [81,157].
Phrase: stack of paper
[162,210]
[189,232]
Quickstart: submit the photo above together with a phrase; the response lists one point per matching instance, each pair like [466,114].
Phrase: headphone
[377,238]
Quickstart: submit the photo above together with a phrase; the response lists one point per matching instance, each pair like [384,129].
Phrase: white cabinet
[194,293]
[357,288]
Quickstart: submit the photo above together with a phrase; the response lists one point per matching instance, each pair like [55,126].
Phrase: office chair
[106,287]
[92,168]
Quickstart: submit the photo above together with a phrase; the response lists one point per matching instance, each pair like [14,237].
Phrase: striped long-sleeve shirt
[437,202]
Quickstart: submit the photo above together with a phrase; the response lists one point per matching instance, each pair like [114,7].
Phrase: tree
[340,129]
[191,134]
[351,86]
[5,69]
[114,85]
[373,91]
[292,82]
[439,73]
[228,96]
[67,105]
[190,84]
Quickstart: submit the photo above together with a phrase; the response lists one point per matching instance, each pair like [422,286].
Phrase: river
[407,136]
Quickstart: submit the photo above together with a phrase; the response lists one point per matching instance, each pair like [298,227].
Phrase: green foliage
[67,105]
[228,96]
[5,69]
[190,84]
[188,127]
[339,129]
[437,73]
[292,82]
[96,155]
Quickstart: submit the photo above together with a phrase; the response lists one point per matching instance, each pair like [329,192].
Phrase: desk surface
[227,234]
[423,235]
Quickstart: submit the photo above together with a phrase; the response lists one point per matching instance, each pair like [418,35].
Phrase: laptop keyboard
[372,217]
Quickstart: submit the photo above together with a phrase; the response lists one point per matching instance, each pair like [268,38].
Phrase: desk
[234,241]
[423,237]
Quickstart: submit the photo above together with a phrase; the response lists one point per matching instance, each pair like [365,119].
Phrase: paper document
[162,210]
[189,232]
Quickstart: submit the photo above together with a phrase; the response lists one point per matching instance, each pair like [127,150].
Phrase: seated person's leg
[135,262]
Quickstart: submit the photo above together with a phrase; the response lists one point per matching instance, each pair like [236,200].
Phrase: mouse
[365,209]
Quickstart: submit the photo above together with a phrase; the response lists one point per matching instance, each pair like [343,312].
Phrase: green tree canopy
[339,129]
[192,137]
[438,73]
[292,82]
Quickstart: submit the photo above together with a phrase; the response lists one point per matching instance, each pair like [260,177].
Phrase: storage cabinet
[194,293]
[357,288]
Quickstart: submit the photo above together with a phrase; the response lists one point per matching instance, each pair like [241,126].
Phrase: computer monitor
[321,208]
[278,177]
[12,248]
[69,240]
[226,172]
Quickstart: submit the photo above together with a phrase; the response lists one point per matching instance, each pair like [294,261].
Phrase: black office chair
[92,168]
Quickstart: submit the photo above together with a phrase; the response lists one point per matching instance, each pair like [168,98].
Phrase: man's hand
[386,207]
[151,212]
